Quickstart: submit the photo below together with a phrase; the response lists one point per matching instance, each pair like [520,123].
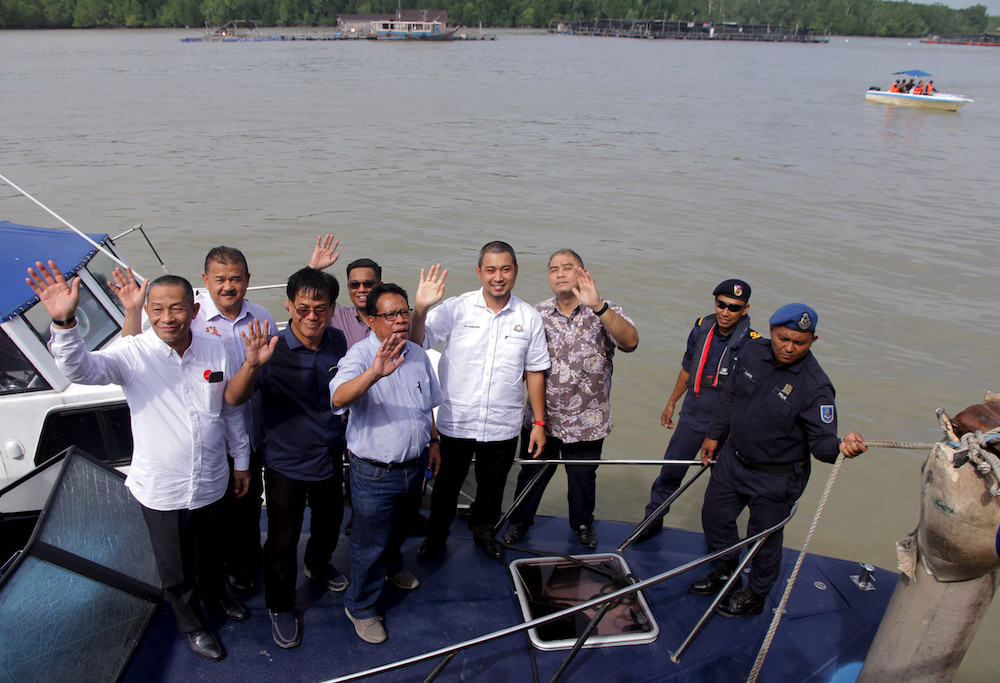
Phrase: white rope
[766,645]
[71,227]
[985,462]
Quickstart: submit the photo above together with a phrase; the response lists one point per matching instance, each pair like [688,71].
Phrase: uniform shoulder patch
[826,413]
[755,335]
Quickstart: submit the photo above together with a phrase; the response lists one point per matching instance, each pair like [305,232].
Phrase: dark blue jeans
[385,501]
[581,480]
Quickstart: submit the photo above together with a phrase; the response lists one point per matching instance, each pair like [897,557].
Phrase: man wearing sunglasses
[303,443]
[363,275]
[712,348]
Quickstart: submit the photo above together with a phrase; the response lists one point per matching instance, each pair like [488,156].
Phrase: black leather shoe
[716,580]
[492,549]
[204,644]
[741,603]
[652,530]
[586,536]
[230,608]
[429,549]
[240,582]
[515,533]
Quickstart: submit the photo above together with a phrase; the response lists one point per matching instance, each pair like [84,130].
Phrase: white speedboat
[939,100]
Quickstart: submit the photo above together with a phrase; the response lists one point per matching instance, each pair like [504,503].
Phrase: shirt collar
[481,301]
[295,343]
[212,311]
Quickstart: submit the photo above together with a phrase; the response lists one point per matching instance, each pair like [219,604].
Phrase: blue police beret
[734,288]
[796,317]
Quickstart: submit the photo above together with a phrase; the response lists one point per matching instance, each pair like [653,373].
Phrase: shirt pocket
[777,405]
[211,396]
[508,366]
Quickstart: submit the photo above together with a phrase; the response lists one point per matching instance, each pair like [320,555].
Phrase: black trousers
[186,549]
[493,463]
[581,479]
[240,517]
[286,504]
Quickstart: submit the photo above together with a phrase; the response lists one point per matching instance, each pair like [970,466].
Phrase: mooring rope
[912,445]
[766,645]
[987,463]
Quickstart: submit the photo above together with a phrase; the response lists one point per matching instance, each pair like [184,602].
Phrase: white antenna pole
[70,226]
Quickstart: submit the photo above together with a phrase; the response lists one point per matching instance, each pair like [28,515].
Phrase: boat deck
[823,637]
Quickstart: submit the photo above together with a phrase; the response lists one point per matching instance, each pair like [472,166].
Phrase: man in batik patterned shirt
[582,331]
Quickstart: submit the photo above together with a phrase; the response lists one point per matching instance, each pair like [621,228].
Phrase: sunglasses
[355,284]
[735,308]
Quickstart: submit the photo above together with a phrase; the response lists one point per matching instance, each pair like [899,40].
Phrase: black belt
[389,465]
[777,468]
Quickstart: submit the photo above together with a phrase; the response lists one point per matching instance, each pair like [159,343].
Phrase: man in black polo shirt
[303,443]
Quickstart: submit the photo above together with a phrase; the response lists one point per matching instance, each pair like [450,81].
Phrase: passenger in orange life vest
[919,90]
[894,87]
[929,89]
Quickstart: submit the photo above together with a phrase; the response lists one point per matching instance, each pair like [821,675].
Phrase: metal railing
[604,602]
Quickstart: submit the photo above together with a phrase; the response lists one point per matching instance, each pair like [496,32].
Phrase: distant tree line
[841,17]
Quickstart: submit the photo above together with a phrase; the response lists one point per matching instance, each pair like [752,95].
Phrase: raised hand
[431,288]
[325,254]
[389,356]
[259,346]
[58,298]
[586,289]
[129,292]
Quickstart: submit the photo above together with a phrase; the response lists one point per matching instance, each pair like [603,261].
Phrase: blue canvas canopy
[916,73]
[22,246]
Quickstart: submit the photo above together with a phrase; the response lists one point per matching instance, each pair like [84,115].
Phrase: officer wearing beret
[712,348]
[776,410]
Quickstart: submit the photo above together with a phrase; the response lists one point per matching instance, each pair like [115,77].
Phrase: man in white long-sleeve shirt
[174,382]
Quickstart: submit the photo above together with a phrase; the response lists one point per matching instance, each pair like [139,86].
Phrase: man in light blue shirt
[391,389]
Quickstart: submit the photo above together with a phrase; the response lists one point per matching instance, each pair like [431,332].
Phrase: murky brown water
[668,165]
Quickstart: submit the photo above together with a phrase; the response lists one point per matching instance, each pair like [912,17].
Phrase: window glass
[17,374]
[104,432]
[96,324]
[101,267]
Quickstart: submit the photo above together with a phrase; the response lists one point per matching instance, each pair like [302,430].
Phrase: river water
[668,165]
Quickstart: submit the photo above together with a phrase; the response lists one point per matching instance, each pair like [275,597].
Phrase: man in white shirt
[491,340]
[225,313]
[174,382]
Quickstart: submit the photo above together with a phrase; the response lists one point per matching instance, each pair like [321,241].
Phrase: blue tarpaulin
[21,246]
[916,73]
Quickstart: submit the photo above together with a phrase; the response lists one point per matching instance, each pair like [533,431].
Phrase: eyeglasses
[355,284]
[735,308]
[391,315]
[304,311]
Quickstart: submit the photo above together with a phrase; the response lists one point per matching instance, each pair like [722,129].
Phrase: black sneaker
[652,530]
[715,580]
[429,549]
[285,629]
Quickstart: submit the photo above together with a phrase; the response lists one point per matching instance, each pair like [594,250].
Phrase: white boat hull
[941,101]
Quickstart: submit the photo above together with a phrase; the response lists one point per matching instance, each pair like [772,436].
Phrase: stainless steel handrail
[756,539]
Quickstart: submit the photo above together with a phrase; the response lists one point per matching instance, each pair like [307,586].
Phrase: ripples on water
[669,165]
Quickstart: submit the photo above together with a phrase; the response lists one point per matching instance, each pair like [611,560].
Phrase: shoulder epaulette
[755,335]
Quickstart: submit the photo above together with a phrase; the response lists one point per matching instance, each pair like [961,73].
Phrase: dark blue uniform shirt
[303,439]
[777,414]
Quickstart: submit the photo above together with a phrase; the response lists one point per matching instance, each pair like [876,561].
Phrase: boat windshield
[96,324]
[17,374]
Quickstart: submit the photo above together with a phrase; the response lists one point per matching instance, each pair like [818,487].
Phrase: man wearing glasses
[712,348]
[363,275]
[303,442]
[391,389]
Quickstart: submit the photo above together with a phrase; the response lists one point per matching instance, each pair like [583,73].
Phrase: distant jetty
[690,30]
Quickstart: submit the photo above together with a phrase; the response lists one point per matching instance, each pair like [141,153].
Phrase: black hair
[364,263]
[226,256]
[313,282]
[497,247]
[371,305]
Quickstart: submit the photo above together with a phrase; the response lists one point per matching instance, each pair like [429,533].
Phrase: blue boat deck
[823,636]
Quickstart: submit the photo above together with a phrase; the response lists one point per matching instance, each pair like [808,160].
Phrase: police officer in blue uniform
[776,409]
[712,348]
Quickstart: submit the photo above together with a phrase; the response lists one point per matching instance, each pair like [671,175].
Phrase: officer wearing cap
[777,409]
[712,348]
